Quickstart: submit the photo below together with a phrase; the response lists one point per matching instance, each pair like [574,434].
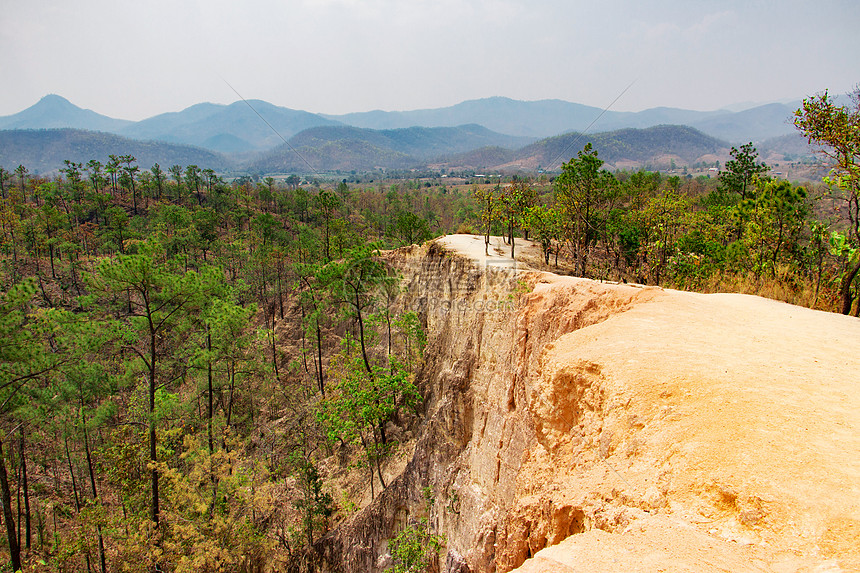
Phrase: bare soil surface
[686,432]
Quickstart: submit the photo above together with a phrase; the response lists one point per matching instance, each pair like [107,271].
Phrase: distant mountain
[546,118]
[230,128]
[787,148]
[756,124]
[483,158]
[156,126]
[500,114]
[237,129]
[43,151]
[388,148]
[53,111]
[624,148]
[358,149]
[338,155]
[421,142]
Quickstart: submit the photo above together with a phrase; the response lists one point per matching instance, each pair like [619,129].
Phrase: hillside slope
[44,150]
[756,124]
[228,128]
[623,148]
[576,425]
[551,117]
[54,112]
[340,147]
[504,115]
[419,142]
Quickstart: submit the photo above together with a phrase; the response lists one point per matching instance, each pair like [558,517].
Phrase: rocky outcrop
[570,424]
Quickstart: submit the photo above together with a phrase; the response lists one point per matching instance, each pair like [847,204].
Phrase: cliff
[575,425]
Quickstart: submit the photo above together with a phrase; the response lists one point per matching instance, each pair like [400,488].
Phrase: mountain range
[630,147]
[233,128]
[546,118]
[366,149]
[53,111]
[44,150]
[259,136]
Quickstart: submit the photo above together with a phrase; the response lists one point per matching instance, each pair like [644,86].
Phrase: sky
[136,59]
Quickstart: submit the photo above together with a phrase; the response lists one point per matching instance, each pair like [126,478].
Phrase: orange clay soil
[687,432]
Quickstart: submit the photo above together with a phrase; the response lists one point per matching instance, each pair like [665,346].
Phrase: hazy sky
[134,59]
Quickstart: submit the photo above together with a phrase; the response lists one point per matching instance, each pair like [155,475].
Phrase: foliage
[546,226]
[585,194]
[67,144]
[488,201]
[22,355]
[740,171]
[361,402]
[415,548]
[187,362]
[514,201]
[315,505]
[837,129]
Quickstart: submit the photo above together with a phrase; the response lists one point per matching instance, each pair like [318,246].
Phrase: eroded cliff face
[569,423]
